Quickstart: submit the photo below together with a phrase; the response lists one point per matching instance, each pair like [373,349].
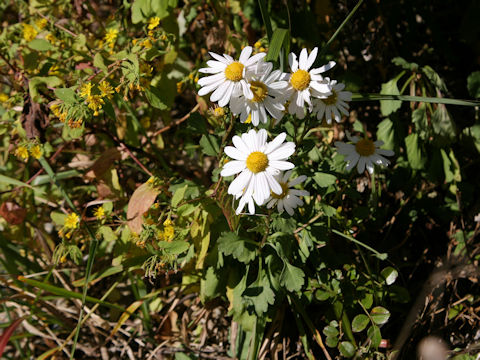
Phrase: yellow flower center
[259,90]
[257,162]
[300,80]
[234,71]
[284,191]
[332,99]
[365,147]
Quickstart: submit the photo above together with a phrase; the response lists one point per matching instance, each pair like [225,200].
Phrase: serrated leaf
[379,315]
[278,38]
[360,322]
[156,98]
[323,179]
[346,349]
[178,196]
[141,200]
[389,274]
[473,84]
[390,106]
[405,64]
[210,145]
[40,45]
[414,153]
[434,78]
[230,243]
[292,277]
[140,10]
[99,62]
[443,126]
[259,294]
[107,233]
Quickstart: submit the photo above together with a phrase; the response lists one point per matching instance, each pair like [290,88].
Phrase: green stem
[327,45]
[381,256]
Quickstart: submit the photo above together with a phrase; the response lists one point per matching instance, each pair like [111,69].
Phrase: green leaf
[386,133]
[473,84]
[419,118]
[156,98]
[347,349]
[360,322]
[414,154]
[141,10]
[241,249]
[210,145]
[389,274]
[451,167]
[40,45]
[58,218]
[36,82]
[390,106]
[173,247]
[330,331]
[434,78]
[367,300]
[259,294]
[67,95]
[278,37]
[209,285]
[331,341]
[11,181]
[323,179]
[99,62]
[379,315]
[374,335]
[443,126]
[107,233]
[405,64]
[179,196]
[292,277]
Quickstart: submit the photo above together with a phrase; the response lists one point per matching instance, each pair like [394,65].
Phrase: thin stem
[425,99]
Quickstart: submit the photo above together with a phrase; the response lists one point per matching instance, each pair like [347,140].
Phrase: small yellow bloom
[249,119]
[51,38]
[41,23]
[147,44]
[63,117]
[36,151]
[167,222]
[262,49]
[106,89]
[54,70]
[86,90]
[258,44]
[22,152]
[3,98]
[179,87]
[95,103]
[219,111]
[111,36]
[196,79]
[99,212]
[63,259]
[71,221]
[190,76]
[150,35]
[29,32]
[153,22]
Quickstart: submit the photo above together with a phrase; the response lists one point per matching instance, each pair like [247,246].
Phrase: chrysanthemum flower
[257,162]
[335,104]
[289,199]
[266,87]
[304,83]
[363,152]
[229,76]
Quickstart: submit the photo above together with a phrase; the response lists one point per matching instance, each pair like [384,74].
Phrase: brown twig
[177,122]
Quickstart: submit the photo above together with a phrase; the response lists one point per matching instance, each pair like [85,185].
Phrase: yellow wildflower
[22,152]
[86,90]
[147,44]
[150,35]
[106,89]
[75,124]
[179,87]
[54,70]
[153,22]
[168,230]
[36,151]
[51,38]
[3,98]
[111,36]
[258,44]
[99,212]
[196,79]
[262,49]
[41,23]
[29,32]
[63,116]
[71,221]
[95,103]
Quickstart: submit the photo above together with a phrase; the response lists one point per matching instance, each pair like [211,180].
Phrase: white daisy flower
[304,82]
[257,162]
[335,104]
[364,153]
[244,200]
[267,89]
[289,199]
[229,76]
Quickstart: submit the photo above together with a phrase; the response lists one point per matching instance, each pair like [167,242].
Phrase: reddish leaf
[8,333]
[12,212]
[141,200]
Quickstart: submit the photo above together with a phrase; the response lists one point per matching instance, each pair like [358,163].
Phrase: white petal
[311,58]
[297,180]
[220,91]
[240,144]
[207,80]
[245,54]
[226,96]
[303,60]
[240,182]
[361,165]
[273,184]
[275,143]
[219,58]
[234,153]
[253,60]
[283,152]
[232,168]
[281,165]
[292,61]
[385,152]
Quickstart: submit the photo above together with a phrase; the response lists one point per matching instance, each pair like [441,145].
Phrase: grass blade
[276,44]
[8,333]
[381,256]
[266,18]
[434,100]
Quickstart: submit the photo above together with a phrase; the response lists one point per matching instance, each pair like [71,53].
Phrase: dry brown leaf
[103,163]
[141,200]
[12,212]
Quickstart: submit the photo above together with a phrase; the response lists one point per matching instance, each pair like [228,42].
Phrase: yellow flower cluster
[3,98]
[99,213]
[153,23]
[41,23]
[168,230]
[106,89]
[71,223]
[23,152]
[29,32]
[94,101]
